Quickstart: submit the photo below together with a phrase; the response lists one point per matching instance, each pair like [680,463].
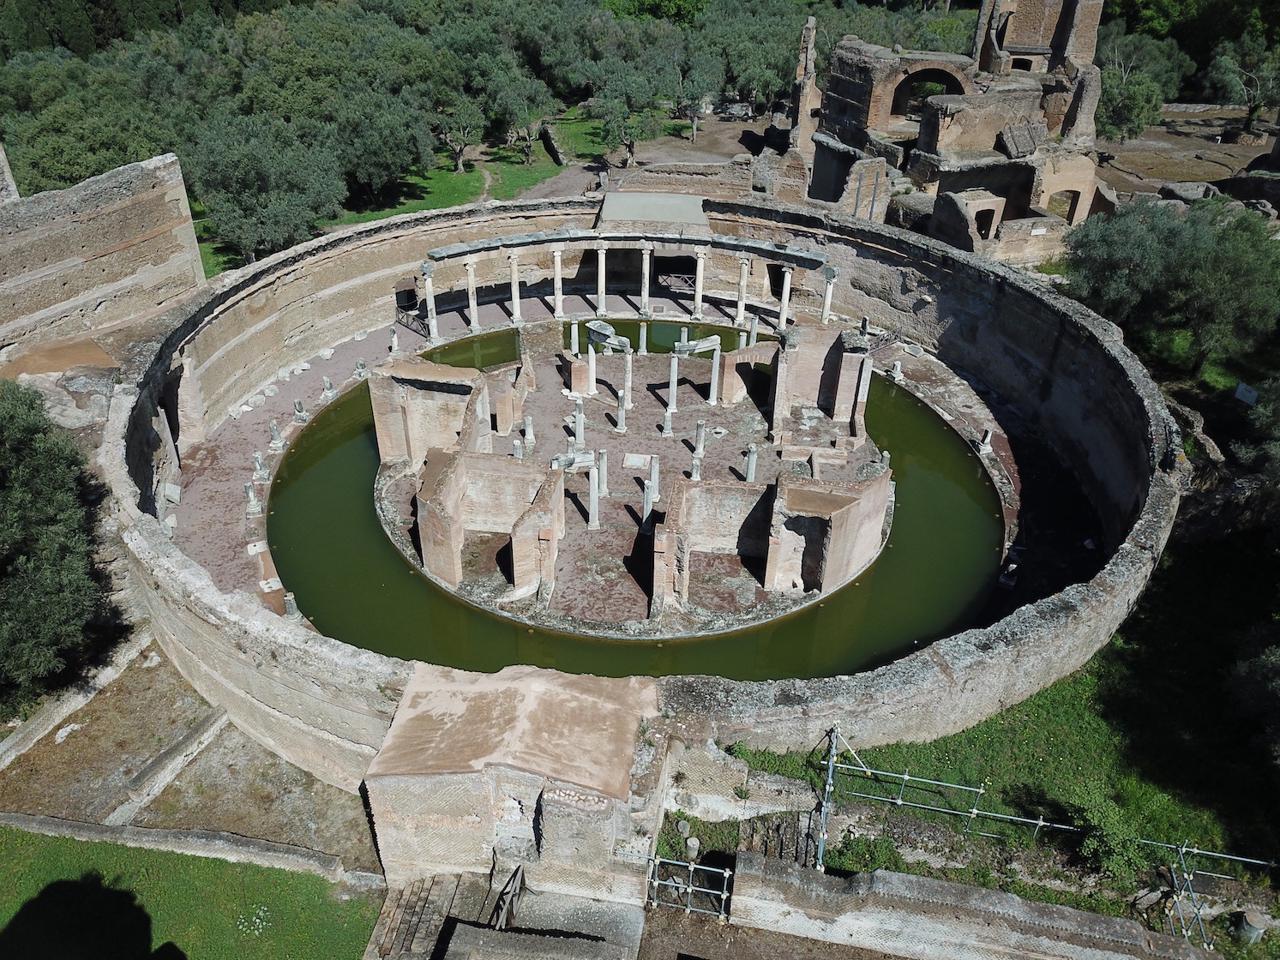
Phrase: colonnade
[602,247]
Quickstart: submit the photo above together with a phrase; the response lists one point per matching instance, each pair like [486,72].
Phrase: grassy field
[1153,718]
[438,187]
[579,135]
[208,909]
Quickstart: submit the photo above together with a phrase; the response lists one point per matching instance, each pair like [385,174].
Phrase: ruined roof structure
[990,152]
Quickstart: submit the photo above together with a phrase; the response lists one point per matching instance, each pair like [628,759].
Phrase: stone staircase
[783,836]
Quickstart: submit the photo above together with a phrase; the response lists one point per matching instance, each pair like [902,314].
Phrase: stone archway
[915,85]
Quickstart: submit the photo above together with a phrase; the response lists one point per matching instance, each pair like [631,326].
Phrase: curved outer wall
[325,705]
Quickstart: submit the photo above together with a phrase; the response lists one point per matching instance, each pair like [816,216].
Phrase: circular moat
[932,577]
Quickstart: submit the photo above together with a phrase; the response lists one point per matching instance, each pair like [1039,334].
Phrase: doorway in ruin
[915,88]
[674,274]
[1064,204]
[985,221]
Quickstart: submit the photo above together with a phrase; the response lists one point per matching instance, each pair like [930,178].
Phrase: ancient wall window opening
[1064,204]
[985,220]
[915,88]
[1022,64]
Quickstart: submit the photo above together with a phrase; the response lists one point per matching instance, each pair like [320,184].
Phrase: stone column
[254,507]
[591,368]
[713,395]
[515,289]
[528,431]
[744,268]
[579,424]
[667,430]
[646,254]
[593,498]
[828,275]
[752,453]
[700,439]
[473,308]
[573,338]
[602,308]
[557,257]
[626,381]
[674,382]
[644,338]
[784,308]
[755,329]
[604,472]
[429,295]
[699,276]
[647,509]
[624,401]
[695,468]
[653,479]
[517,448]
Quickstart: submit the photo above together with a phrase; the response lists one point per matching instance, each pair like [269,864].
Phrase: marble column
[646,256]
[515,290]
[644,338]
[528,431]
[784,308]
[829,276]
[557,257]
[674,382]
[755,330]
[591,369]
[429,295]
[752,453]
[579,425]
[602,308]
[626,380]
[473,308]
[593,497]
[699,278]
[624,401]
[744,268]
[713,395]
[700,439]
[653,479]
[603,457]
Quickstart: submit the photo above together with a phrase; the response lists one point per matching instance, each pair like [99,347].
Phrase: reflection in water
[932,579]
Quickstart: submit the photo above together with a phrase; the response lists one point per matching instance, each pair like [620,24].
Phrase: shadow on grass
[83,919]
[1168,686]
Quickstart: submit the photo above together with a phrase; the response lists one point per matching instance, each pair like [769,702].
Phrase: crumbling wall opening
[915,88]
[1021,63]
[1064,204]
[985,221]
[830,173]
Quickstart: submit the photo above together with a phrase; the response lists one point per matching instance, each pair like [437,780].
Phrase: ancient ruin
[745,505]
[627,425]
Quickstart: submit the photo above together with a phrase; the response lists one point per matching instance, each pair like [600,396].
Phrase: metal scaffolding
[964,801]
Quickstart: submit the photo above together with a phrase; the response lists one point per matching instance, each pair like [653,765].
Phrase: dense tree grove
[348,95]
[1186,287]
[47,593]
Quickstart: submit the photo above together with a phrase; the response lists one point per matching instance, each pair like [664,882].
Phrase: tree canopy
[1188,285]
[361,92]
[47,592]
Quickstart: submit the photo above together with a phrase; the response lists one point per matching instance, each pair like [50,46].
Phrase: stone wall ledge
[199,843]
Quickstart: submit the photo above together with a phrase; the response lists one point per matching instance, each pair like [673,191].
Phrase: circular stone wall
[1056,369]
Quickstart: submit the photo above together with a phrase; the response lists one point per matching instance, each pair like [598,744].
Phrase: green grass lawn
[579,135]
[439,187]
[209,909]
[1154,717]
[511,176]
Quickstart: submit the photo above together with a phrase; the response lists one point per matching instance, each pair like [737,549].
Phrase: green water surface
[932,579]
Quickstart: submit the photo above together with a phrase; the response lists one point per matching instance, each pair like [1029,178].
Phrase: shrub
[1110,844]
[48,595]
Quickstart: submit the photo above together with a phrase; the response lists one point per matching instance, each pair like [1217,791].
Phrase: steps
[412,918]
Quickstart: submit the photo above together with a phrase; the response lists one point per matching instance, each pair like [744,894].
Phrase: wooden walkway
[785,836]
[414,916]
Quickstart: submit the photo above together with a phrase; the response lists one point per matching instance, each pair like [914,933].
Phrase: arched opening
[985,221]
[915,88]
[1064,204]
[1021,63]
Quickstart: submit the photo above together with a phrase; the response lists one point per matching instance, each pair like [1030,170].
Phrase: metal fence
[690,887]
[902,789]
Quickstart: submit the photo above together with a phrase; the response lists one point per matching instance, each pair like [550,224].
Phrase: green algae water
[933,577]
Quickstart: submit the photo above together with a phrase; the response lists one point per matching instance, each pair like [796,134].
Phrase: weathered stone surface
[114,249]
